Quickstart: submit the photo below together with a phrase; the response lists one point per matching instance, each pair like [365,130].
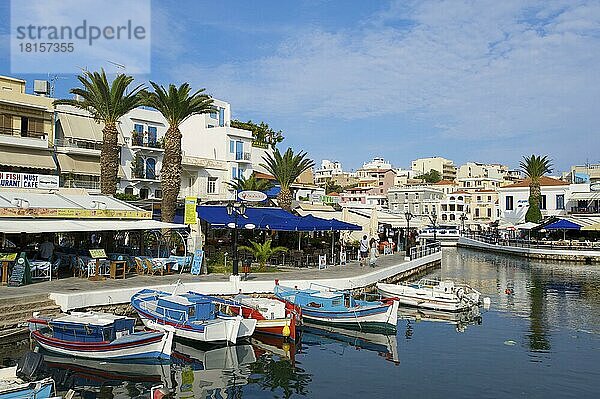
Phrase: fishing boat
[193,316]
[273,316]
[432,294]
[97,335]
[341,309]
[460,320]
[13,387]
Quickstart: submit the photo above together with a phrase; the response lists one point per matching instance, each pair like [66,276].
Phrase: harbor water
[540,338]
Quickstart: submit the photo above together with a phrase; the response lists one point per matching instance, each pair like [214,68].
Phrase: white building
[418,200]
[327,171]
[444,166]
[514,199]
[376,163]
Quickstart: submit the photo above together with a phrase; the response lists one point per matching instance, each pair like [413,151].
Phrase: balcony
[148,175]
[78,146]
[242,156]
[15,137]
[585,210]
[140,141]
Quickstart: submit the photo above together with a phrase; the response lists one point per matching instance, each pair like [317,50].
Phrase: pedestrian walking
[364,250]
[373,252]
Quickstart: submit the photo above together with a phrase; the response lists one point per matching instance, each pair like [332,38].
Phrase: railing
[140,142]
[425,250]
[242,156]
[572,245]
[587,209]
[86,184]
[88,145]
[8,131]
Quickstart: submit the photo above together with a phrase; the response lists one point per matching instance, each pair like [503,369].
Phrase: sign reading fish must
[252,196]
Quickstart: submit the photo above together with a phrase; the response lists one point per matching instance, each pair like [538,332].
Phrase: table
[116,267]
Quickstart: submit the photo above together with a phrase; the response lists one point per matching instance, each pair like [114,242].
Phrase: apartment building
[444,166]
[454,206]
[327,171]
[418,200]
[484,207]
[377,176]
[26,130]
[492,171]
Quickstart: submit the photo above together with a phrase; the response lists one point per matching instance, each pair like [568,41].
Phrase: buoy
[286,330]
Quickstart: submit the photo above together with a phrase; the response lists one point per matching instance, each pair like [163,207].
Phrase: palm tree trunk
[109,159]
[535,194]
[284,198]
[170,174]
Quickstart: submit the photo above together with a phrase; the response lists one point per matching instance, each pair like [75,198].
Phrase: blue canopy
[562,224]
[270,219]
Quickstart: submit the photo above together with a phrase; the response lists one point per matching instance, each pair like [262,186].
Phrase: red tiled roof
[265,176]
[445,183]
[544,181]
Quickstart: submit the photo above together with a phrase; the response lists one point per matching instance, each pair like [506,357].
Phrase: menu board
[21,272]
[197,263]
[8,256]
[97,253]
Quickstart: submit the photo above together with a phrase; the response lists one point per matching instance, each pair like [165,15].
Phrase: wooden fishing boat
[432,294]
[192,316]
[96,335]
[273,316]
[13,387]
[341,309]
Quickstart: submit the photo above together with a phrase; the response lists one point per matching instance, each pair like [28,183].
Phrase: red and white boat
[273,316]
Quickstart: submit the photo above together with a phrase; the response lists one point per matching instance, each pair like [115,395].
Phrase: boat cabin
[325,300]
[91,327]
[184,307]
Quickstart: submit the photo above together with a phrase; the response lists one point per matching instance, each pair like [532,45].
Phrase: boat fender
[30,366]
[286,330]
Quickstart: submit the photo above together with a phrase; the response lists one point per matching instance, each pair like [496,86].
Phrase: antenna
[119,66]
[52,79]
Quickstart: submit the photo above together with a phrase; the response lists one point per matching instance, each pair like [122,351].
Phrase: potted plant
[262,252]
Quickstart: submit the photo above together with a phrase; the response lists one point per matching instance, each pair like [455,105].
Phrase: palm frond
[535,167]
[287,167]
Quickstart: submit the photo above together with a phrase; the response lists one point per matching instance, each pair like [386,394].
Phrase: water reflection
[200,372]
[460,320]
[384,345]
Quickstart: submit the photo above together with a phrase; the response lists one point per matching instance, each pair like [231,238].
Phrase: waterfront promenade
[75,293]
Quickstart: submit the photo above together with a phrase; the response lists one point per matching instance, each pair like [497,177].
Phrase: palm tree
[286,168]
[262,252]
[176,105]
[535,167]
[107,103]
[251,183]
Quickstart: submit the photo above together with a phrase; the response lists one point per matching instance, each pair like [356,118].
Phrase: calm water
[542,341]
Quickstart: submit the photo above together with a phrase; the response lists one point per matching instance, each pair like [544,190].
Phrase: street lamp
[462,218]
[408,216]
[433,218]
[235,209]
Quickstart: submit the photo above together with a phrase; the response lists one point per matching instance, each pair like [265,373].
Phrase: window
[231,146]
[221,117]
[509,203]
[543,202]
[444,217]
[233,173]
[129,190]
[560,201]
[489,212]
[143,193]
[476,212]
[213,115]
[210,126]
[157,193]
[479,198]
[489,198]
[138,128]
[452,216]
[151,136]
[151,168]
[31,127]
[211,187]
[6,124]
[240,173]
[239,150]
[137,137]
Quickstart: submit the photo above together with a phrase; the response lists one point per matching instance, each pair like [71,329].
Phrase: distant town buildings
[444,166]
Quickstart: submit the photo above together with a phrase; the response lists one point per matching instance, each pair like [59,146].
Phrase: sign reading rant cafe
[28,180]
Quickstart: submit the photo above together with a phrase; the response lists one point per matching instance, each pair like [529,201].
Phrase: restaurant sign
[252,196]
[74,213]
[28,180]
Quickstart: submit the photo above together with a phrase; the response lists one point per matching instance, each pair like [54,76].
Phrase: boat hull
[276,327]
[382,318]
[154,346]
[409,297]
[36,390]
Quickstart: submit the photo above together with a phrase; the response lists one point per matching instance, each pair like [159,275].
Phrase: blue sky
[481,81]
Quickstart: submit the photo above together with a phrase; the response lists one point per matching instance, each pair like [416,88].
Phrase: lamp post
[408,216]
[235,209]
[462,218]
[433,218]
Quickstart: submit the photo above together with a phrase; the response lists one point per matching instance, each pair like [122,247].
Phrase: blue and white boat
[12,387]
[192,316]
[340,309]
[95,335]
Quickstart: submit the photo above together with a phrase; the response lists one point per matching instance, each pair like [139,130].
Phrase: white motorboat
[432,294]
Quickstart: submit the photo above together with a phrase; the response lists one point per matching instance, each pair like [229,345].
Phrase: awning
[593,227]
[81,127]
[270,219]
[562,224]
[27,158]
[591,196]
[33,226]
[82,165]
[526,226]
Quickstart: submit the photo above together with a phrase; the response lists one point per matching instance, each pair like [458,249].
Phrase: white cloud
[475,70]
